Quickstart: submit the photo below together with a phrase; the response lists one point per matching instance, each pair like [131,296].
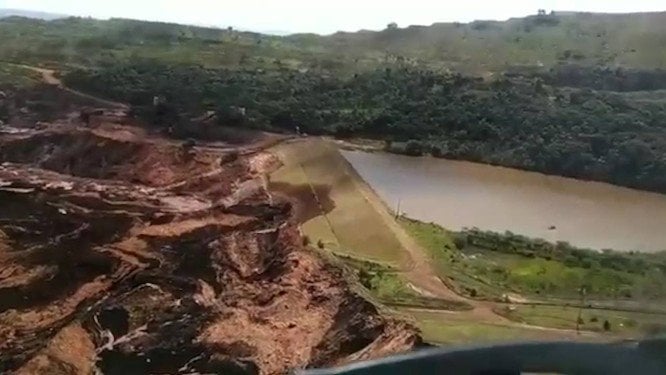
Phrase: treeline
[511,122]
[595,77]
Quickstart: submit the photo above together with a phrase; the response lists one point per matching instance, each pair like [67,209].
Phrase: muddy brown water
[456,194]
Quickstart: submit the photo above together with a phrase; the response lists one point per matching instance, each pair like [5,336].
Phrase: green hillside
[579,95]
[629,40]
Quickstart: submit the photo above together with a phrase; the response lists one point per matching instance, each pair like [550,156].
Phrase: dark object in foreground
[645,357]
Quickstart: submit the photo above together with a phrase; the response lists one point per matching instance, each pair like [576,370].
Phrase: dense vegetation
[535,267]
[396,85]
[519,123]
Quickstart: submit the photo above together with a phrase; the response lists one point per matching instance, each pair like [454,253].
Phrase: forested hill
[580,95]
[543,40]
[629,40]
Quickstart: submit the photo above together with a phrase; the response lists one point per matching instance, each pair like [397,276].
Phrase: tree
[607,325]
[392,26]
[231,115]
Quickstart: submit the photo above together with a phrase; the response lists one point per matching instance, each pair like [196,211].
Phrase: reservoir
[458,194]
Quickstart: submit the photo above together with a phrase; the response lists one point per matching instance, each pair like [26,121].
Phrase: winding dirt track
[49,77]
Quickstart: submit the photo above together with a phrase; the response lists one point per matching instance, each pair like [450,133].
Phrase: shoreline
[377,146]
[551,198]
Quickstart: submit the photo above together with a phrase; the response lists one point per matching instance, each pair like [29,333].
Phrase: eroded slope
[133,254]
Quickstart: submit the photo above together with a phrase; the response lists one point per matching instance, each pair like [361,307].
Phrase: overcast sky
[322,16]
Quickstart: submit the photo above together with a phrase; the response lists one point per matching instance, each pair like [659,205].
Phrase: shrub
[460,240]
[365,278]
[306,240]
[413,148]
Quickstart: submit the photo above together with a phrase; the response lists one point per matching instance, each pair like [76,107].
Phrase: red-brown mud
[126,253]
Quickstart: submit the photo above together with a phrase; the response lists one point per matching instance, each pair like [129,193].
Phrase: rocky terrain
[124,251]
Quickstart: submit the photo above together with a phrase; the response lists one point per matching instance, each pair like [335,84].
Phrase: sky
[323,17]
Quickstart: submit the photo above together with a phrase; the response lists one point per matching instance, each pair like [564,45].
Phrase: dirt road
[49,77]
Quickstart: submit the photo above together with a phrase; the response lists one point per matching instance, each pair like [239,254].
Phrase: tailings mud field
[125,252]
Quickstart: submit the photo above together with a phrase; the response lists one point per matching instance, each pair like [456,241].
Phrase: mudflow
[124,251]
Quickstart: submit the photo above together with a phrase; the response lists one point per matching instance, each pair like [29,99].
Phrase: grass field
[450,329]
[389,287]
[631,324]
[491,273]
[324,184]
[448,260]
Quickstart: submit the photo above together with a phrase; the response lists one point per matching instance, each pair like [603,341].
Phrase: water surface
[457,194]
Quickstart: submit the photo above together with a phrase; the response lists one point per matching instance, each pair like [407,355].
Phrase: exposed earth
[125,251]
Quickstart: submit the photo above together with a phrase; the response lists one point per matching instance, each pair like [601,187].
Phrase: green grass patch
[445,329]
[450,263]
[624,323]
[388,286]
[485,264]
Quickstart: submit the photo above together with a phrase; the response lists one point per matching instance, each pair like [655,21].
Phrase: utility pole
[397,210]
[580,308]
